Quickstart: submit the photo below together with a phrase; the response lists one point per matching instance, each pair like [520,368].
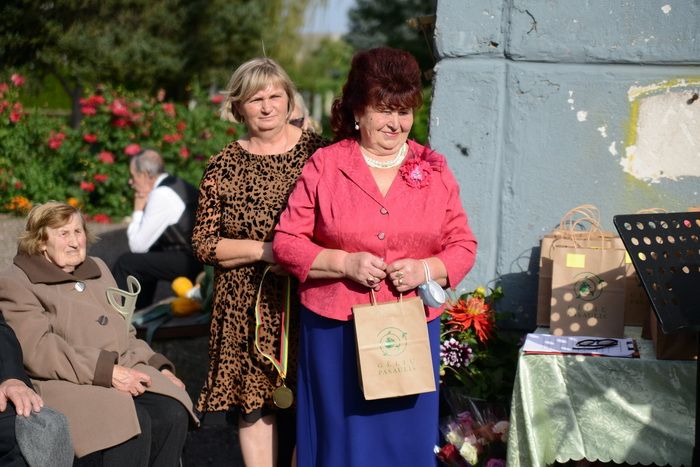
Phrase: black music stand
[665,251]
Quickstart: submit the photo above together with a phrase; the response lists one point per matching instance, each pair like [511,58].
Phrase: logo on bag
[588,286]
[392,341]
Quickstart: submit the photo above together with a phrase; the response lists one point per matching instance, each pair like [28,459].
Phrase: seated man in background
[160,230]
[25,424]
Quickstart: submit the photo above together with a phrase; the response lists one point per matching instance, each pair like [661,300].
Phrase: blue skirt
[336,426]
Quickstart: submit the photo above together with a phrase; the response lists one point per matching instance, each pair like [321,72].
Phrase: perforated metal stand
[665,251]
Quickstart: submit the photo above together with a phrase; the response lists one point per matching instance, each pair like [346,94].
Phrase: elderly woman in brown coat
[122,400]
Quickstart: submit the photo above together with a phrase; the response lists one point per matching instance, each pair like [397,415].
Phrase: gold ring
[399,274]
[370,279]
[400,281]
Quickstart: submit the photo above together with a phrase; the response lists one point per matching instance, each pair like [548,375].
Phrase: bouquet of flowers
[476,435]
[475,356]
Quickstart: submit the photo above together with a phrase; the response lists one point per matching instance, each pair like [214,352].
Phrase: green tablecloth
[567,407]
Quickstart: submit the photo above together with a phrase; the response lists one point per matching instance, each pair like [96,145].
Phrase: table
[623,410]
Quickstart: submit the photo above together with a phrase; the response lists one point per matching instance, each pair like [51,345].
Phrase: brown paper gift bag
[393,350]
[579,227]
[588,291]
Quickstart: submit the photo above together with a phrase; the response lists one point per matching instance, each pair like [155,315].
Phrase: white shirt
[163,208]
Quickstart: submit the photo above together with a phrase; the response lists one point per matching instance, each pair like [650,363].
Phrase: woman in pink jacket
[368,213]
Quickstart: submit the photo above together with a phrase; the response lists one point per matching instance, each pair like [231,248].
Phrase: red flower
[217,99]
[181,126]
[87,186]
[3,88]
[473,312]
[100,178]
[106,157]
[132,149]
[175,137]
[56,140]
[101,219]
[3,106]
[96,100]
[120,122]
[19,185]
[88,110]
[119,108]
[90,138]
[169,109]
[231,130]
[17,80]
[416,172]
[184,152]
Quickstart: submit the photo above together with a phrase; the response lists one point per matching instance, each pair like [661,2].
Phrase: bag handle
[373,297]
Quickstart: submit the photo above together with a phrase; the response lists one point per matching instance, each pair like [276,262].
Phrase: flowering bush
[41,158]
[475,356]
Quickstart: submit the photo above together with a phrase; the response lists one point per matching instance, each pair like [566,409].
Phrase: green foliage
[43,159]
[375,23]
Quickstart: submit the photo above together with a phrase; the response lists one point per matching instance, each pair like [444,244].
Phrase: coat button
[103,320]
[380,235]
[384,211]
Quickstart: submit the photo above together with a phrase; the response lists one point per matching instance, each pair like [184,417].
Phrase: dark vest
[178,236]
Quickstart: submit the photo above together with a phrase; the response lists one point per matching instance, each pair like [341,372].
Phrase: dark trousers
[10,455]
[151,267]
[163,422]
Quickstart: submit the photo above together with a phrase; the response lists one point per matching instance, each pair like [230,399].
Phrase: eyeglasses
[297,122]
[595,344]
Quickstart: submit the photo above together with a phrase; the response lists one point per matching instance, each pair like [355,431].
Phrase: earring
[357,126]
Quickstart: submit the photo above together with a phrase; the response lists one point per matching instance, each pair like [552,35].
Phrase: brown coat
[71,341]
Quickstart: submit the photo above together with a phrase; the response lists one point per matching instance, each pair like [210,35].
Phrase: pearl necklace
[377,164]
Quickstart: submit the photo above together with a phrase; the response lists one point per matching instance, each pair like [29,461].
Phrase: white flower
[468,451]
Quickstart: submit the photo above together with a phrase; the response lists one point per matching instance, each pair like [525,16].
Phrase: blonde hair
[251,77]
[52,214]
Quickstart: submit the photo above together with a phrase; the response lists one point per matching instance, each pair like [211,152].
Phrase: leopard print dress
[241,196]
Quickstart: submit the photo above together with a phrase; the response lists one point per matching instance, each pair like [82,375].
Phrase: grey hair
[149,162]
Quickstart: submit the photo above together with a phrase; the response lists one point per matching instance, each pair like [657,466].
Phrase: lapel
[356,170]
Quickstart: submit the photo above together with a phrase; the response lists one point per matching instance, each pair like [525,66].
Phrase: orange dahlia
[473,312]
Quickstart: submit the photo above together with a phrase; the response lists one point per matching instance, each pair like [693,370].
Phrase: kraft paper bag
[588,291]
[393,348]
[637,302]
[681,345]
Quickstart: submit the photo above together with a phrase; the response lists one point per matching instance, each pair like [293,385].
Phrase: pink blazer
[336,204]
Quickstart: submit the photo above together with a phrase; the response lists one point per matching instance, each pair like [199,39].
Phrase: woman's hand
[406,274]
[171,376]
[365,268]
[22,396]
[129,380]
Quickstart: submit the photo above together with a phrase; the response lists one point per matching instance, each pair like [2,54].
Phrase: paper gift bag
[393,349]
[637,302]
[674,346]
[579,227]
[588,291]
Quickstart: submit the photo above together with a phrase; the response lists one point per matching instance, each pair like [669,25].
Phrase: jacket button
[384,211]
[103,320]
[380,235]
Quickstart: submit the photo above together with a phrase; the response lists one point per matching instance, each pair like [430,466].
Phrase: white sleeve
[163,208]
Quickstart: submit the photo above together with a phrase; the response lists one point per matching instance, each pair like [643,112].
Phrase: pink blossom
[87,186]
[88,110]
[3,106]
[184,152]
[119,108]
[132,149]
[217,99]
[106,157]
[56,140]
[90,138]
[100,178]
[172,138]
[17,79]
[101,219]
[3,88]
[169,109]
[416,172]
[181,126]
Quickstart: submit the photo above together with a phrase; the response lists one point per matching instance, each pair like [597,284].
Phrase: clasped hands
[369,270]
[135,382]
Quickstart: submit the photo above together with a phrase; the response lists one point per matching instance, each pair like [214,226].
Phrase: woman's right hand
[365,268]
[129,380]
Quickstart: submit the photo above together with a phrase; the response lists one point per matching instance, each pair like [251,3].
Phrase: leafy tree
[375,23]
[145,44]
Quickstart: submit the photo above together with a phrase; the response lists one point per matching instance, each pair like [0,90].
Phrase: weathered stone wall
[541,106]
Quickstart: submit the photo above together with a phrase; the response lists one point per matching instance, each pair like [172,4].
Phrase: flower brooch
[416,172]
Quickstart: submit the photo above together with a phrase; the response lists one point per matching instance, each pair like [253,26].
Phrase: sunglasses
[297,122]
